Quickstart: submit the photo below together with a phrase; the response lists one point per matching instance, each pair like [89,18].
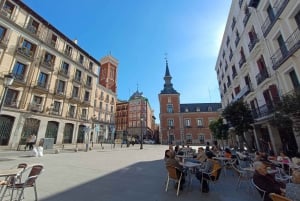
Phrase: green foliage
[289,104]
[239,116]
[218,129]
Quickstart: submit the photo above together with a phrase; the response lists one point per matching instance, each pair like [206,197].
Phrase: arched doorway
[81,132]
[68,133]
[6,124]
[52,129]
[31,126]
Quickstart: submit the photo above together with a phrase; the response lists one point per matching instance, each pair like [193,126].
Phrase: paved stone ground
[119,174]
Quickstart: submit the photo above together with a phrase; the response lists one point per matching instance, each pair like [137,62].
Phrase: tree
[219,130]
[238,116]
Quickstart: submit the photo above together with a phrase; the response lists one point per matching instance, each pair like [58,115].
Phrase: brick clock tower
[169,101]
[108,73]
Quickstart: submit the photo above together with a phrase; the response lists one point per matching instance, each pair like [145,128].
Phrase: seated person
[176,149]
[227,153]
[171,161]
[266,181]
[201,156]
[209,166]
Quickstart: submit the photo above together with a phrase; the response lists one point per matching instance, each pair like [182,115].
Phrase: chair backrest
[22,165]
[172,171]
[35,171]
[261,191]
[276,197]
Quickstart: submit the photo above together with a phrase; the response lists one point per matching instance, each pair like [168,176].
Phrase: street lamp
[142,119]
[8,80]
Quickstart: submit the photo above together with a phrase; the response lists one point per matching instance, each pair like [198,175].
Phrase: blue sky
[139,33]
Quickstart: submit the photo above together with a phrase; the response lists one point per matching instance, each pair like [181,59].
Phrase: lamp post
[142,119]
[8,80]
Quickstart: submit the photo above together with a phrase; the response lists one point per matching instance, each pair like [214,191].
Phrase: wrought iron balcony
[263,111]
[279,6]
[252,43]
[34,107]
[25,52]
[292,44]
[260,77]
[64,72]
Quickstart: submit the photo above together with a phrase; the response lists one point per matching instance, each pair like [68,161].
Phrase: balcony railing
[77,79]
[25,52]
[64,72]
[34,107]
[234,74]
[10,103]
[292,44]
[279,6]
[71,114]
[242,61]
[48,64]
[263,110]
[252,43]
[55,112]
[260,77]
[246,19]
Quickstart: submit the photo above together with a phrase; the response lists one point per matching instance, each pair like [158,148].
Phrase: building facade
[56,92]
[135,118]
[184,123]
[259,62]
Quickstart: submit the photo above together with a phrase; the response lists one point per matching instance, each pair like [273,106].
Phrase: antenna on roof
[209,95]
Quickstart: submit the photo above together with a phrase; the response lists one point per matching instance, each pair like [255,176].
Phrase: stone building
[259,62]
[56,92]
[186,123]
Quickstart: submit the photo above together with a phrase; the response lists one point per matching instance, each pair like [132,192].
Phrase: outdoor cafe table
[6,173]
[190,166]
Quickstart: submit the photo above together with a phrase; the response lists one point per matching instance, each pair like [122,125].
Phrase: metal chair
[276,197]
[30,181]
[212,176]
[243,176]
[172,175]
[261,191]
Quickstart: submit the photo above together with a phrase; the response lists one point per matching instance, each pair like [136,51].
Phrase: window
[199,122]
[78,75]
[197,109]
[187,123]
[101,105]
[56,106]
[169,100]
[53,40]
[233,23]
[8,9]
[71,111]
[61,86]
[294,79]
[270,12]
[81,59]
[86,96]
[49,59]
[75,92]
[227,41]
[84,113]
[170,122]
[89,81]
[201,139]
[68,50]
[2,32]
[169,108]
[186,109]
[33,26]
[189,139]
[19,71]
[11,98]
[237,90]
[27,48]
[42,80]
[209,109]
[65,68]
[91,66]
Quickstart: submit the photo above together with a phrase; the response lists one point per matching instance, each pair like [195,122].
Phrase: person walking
[32,141]
[27,142]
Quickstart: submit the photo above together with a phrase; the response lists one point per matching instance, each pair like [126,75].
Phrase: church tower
[169,101]
[108,73]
